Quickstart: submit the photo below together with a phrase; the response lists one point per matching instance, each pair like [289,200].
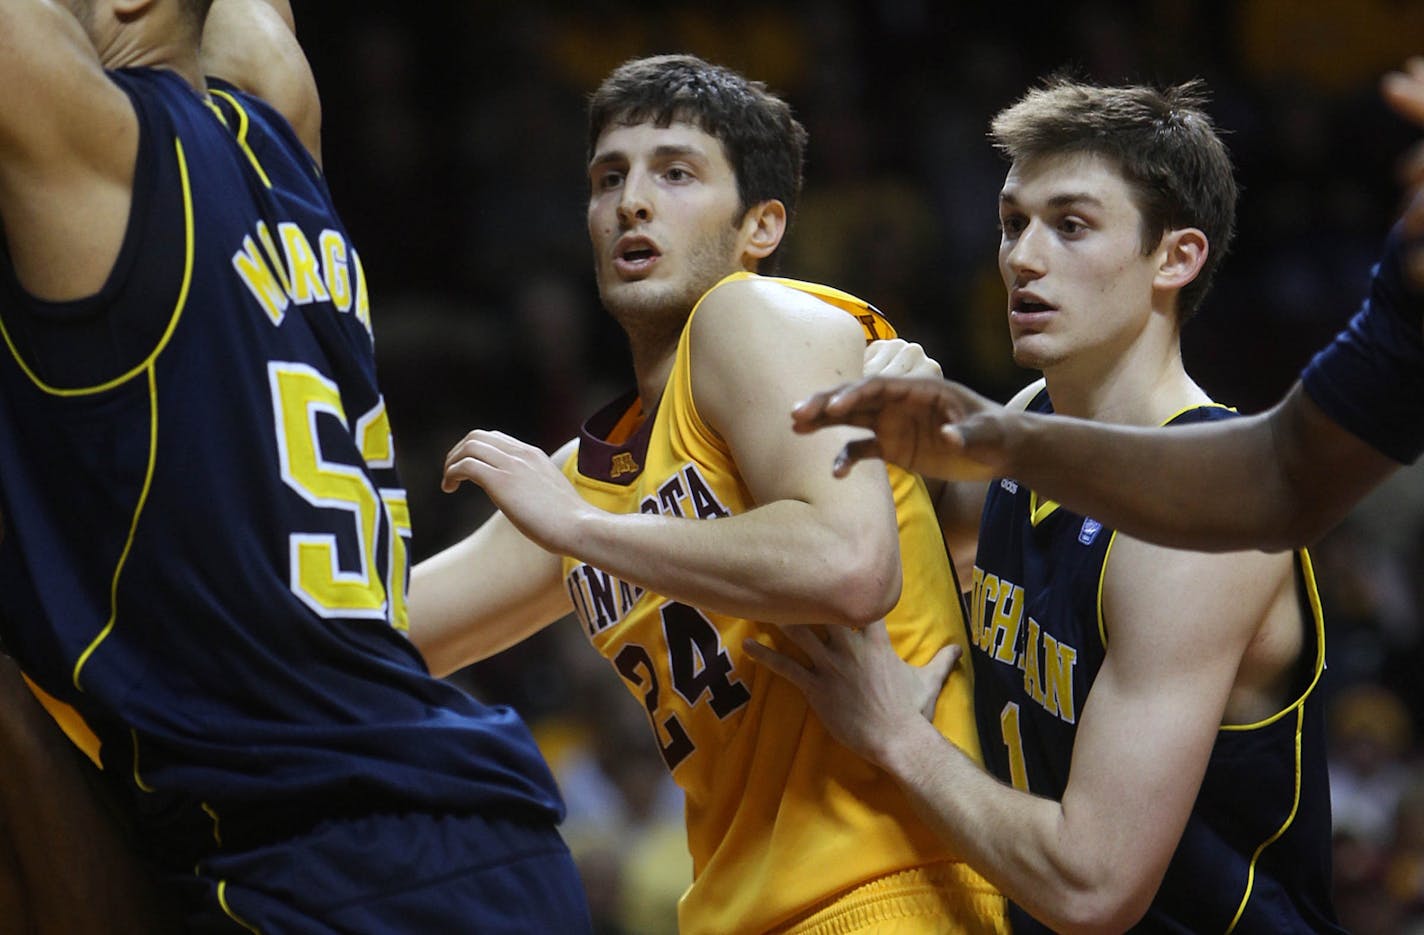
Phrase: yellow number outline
[300,395]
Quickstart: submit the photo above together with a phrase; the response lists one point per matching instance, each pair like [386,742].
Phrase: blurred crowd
[455,140]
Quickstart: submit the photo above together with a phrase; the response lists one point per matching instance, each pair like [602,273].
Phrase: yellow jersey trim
[227,910]
[178,307]
[241,134]
[133,531]
[69,720]
[1285,825]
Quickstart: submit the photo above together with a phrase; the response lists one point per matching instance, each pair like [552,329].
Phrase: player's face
[1079,288]
[663,215]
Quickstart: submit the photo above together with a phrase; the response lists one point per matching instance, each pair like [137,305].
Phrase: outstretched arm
[1276,480]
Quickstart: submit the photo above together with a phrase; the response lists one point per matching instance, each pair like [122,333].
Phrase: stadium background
[455,142]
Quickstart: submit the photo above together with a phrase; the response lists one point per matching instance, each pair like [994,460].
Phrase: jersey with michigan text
[206,543]
[779,815]
[1255,855]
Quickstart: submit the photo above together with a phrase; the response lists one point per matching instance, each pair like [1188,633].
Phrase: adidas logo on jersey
[1012,486]
[1090,530]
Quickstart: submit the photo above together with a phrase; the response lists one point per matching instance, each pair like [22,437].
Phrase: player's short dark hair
[764,143]
[1162,141]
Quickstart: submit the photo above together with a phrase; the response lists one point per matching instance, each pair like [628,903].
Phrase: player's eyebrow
[664,151]
[1061,200]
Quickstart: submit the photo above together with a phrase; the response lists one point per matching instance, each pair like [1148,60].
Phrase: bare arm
[1092,861]
[68,144]
[815,550]
[1276,480]
[253,45]
[484,594]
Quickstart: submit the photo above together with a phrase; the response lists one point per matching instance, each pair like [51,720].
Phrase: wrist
[902,751]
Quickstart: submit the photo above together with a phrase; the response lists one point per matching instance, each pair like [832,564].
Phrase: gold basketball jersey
[780,817]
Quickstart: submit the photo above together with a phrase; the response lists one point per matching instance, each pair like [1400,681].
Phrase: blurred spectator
[1370,737]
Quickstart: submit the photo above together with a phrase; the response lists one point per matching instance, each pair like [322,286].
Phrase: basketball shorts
[394,873]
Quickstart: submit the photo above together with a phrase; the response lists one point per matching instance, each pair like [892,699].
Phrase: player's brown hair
[763,141]
[1163,142]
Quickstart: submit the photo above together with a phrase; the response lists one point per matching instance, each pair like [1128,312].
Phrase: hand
[1403,90]
[524,483]
[933,427]
[861,690]
[896,357]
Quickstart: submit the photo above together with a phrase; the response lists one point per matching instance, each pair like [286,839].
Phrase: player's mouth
[634,256]
[1028,311]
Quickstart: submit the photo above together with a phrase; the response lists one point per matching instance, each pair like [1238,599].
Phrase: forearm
[1217,487]
[777,563]
[1027,846]
[482,595]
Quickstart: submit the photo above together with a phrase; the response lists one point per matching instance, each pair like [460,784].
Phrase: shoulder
[756,309]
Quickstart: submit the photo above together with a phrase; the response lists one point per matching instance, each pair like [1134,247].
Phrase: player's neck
[1141,387]
[136,50]
[651,367]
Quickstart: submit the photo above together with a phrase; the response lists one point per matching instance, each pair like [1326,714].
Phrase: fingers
[943,663]
[899,358]
[881,354]
[476,453]
[784,666]
[807,640]
[810,414]
[853,453]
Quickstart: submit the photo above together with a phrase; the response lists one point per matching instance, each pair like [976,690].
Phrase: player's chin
[1030,353]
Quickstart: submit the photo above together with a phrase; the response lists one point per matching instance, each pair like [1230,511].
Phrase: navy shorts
[400,873]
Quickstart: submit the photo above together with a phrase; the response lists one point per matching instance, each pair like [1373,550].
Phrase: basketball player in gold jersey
[694,173]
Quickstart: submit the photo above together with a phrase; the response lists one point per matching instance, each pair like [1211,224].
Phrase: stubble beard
[655,312]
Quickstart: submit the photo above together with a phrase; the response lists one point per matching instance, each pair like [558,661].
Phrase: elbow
[1089,894]
[1100,919]
[1102,909]
[864,591]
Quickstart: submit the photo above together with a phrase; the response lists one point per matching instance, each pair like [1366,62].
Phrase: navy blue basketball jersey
[1255,856]
[206,545]
[1370,379]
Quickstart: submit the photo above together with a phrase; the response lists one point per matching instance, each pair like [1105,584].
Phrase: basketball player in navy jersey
[1276,480]
[1150,719]
[204,560]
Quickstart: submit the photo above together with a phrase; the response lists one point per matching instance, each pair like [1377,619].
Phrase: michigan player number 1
[1013,739]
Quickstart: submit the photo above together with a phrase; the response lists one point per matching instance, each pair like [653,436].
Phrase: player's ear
[761,229]
[1182,254]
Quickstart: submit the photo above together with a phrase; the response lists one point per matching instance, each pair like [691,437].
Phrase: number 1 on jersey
[1013,739]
